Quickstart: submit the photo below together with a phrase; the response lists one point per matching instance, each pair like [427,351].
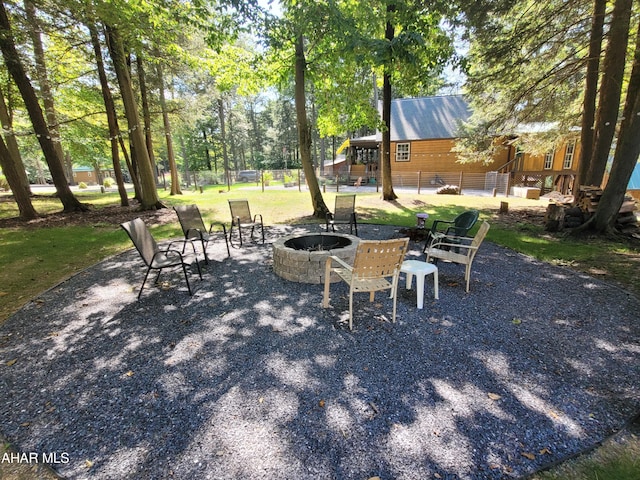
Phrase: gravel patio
[250,378]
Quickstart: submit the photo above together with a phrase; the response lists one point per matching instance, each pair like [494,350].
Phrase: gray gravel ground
[250,378]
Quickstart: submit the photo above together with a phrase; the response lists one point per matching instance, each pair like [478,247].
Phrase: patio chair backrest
[479,237]
[379,258]
[345,207]
[142,239]
[190,220]
[465,221]
[240,209]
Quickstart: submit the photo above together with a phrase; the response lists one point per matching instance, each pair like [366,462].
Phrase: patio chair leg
[226,241]
[350,310]
[204,251]
[146,275]
[186,278]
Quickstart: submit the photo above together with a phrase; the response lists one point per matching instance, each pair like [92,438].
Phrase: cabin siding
[437,156]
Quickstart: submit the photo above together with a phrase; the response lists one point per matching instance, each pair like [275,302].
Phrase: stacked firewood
[572,212]
[588,199]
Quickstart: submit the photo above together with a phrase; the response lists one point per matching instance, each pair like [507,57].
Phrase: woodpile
[569,212]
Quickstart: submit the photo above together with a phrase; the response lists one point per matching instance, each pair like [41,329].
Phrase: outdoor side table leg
[409,279]
[435,284]
[420,289]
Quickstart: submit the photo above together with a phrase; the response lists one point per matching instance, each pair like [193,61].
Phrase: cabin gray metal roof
[424,118]
[427,118]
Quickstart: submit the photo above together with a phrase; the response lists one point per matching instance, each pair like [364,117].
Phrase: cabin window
[403,152]
[548,160]
[568,155]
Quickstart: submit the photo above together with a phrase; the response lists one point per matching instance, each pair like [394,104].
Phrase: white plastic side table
[420,269]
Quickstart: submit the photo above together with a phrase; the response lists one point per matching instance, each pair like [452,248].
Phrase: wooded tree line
[224,85]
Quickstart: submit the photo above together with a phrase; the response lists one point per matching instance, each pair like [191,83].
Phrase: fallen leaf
[321,403]
[25,424]
[12,362]
[530,456]
[494,396]
[545,451]
[437,475]
[129,373]
[516,321]
[261,399]
[88,463]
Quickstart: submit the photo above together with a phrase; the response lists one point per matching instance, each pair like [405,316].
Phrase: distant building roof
[428,118]
[423,118]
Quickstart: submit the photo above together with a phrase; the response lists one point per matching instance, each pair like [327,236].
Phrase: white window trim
[569,153]
[403,156]
[548,160]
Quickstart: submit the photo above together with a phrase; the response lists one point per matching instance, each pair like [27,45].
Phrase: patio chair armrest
[184,243]
[256,216]
[434,225]
[196,231]
[333,258]
[439,244]
[456,231]
[224,228]
[167,252]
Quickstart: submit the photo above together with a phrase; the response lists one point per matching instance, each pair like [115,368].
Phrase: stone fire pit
[301,258]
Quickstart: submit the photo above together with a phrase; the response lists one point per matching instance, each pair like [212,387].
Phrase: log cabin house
[423,134]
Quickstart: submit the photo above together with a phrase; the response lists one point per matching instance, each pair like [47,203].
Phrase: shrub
[267,177]
[82,185]
[4,185]
[108,182]
[448,190]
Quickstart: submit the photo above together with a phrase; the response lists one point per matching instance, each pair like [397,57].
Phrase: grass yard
[40,254]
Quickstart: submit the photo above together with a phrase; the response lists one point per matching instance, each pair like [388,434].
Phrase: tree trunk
[610,90]
[171,157]
[225,155]
[43,80]
[591,90]
[320,210]
[146,115]
[112,119]
[149,194]
[11,168]
[12,146]
[626,154]
[17,72]
[385,160]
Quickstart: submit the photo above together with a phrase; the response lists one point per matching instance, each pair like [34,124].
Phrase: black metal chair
[194,229]
[344,213]
[152,256]
[458,227]
[241,218]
